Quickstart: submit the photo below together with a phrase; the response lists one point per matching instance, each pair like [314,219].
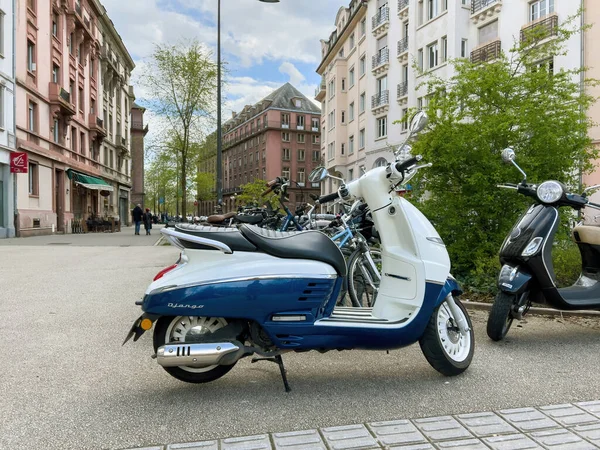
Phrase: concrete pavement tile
[160,447]
[464,444]
[396,432]
[568,415]
[414,447]
[441,428]
[298,440]
[527,419]
[260,442]
[561,440]
[511,442]
[589,432]
[349,437]
[591,407]
[485,424]
[206,445]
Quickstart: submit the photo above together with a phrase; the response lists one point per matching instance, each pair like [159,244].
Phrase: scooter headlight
[533,247]
[550,191]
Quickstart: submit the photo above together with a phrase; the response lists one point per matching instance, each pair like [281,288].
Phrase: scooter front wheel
[448,350]
[500,318]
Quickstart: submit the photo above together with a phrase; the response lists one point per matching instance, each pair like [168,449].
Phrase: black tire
[500,318]
[183,374]
[358,288]
[432,344]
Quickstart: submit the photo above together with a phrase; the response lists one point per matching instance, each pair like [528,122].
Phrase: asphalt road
[68,383]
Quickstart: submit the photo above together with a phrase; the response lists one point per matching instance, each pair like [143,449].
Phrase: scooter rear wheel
[444,346]
[500,318]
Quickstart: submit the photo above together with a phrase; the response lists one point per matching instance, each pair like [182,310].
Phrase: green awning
[88,181]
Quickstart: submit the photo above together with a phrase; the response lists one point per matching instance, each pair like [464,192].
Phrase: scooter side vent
[316,291]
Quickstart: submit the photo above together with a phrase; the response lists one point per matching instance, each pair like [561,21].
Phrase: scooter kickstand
[279,361]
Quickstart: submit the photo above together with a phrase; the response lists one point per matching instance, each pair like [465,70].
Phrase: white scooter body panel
[208,266]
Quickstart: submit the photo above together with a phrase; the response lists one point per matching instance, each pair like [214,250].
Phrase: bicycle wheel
[363,281]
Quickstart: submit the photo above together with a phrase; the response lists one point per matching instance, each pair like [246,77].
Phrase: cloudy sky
[264,44]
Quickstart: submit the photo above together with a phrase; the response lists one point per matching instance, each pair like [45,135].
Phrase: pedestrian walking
[148,221]
[137,215]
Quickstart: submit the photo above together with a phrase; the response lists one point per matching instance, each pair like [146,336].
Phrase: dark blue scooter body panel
[259,300]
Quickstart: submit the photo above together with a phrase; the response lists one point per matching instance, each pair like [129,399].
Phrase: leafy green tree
[252,194]
[514,101]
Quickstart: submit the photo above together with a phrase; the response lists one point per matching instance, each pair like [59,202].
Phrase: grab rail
[174,236]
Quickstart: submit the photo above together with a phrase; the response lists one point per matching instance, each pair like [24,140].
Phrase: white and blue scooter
[251,291]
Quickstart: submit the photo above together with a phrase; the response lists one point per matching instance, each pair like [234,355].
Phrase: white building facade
[7,118]
[428,33]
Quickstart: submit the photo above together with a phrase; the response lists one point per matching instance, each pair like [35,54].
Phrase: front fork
[459,317]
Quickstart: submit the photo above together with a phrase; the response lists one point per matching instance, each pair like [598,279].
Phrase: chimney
[233,114]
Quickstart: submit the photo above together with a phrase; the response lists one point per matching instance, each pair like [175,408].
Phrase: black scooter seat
[227,235]
[312,245]
[252,220]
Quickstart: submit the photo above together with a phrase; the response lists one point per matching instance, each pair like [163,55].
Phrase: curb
[478,306]
[160,239]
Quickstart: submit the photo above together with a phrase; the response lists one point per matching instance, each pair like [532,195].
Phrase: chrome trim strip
[440,283]
[196,240]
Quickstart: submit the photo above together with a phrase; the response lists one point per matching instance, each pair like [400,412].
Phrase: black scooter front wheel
[501,318]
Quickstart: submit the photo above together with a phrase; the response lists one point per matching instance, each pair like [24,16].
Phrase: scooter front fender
[450,287]
[513,279]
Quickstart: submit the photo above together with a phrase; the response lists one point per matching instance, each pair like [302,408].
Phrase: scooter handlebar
[328,198]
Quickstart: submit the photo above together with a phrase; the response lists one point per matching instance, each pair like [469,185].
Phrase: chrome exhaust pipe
[199,355]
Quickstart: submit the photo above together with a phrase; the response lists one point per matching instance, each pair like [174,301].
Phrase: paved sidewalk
[565,427]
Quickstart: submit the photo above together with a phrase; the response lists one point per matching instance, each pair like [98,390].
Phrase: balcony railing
[66,96]
[381,17]
[547,26]
[381,58]
[381,99]
[402,4]
[99,122]
[86,21]
[403,89]
[488,52]
[402,45]
[478,5]
[320,89]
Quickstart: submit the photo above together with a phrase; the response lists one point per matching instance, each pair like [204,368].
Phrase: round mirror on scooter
[418,122]
[318,175]
[508,155]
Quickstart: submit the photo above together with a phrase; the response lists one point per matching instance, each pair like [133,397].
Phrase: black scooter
[527,273]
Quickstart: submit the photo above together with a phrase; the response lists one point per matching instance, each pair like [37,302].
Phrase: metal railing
[381,17]
[402,4]
[402,45]
[382,57]
[65,95]
[487,53]
[100,122]
[403,89]
[478,5]
[381,99]
[547,26]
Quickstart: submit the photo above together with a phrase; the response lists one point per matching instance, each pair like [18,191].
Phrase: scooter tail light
[162,273]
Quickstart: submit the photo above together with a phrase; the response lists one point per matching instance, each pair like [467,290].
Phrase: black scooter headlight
[550,191]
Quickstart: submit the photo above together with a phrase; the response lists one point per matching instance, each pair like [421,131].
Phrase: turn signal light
[162,273]
[146,324]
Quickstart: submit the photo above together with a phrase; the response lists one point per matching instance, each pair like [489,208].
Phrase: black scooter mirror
[318,175]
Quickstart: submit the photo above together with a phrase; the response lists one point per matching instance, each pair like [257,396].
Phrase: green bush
[567,262]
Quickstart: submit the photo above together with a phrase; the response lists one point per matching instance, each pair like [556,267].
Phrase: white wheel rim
[456,345]
[183,327]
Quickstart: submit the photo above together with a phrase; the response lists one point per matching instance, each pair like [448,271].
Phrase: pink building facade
[278,136]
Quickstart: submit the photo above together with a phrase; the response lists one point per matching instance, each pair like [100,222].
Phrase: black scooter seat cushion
[227,235]
[311,245]
[252,220]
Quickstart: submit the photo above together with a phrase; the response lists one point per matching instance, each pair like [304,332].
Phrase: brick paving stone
[414,447]
[511,442]
[561,440]
[485,424]
[527,419]
[260,442]
[396,432]
[298,440]
[441,428]
[569,415]
[591,407]
[464,444]
[349,437]
[589,432]
[206,445]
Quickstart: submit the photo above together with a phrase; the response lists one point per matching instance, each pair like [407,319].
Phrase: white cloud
[295,76]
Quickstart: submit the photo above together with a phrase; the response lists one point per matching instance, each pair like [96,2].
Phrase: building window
[351,145]
[71,45]
[351,77]
[362,103]
[404,119]
[343,84]
[300,121]
[444,49]
[464,48]
[332,119]
[316,157]
[32,117]
[315,124]
[74,141]
[381,162]
[30,56]
[56,131]
[55,73]
[332,88]
[285,136]
[363,27]
[112,159]
[1,32]
[331,150]
[315,139]
[361,139]
[33,179]
[352,43]
[82,143]
[301,138]
[444,5]
[343,118]
[81,100]
[350,174]
[285,120]
[540,8]
[301,155]
[420,59]
[343,149]
[55,25]
[285,172]
[1,106]
[382,127]
[432,55]
[363,65]
[432,9]
[301,174]
[286,154]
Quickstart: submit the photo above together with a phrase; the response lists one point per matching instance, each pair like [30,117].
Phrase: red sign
[196,203]
[19,162]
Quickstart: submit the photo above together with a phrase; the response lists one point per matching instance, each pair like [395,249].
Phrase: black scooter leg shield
[513,280]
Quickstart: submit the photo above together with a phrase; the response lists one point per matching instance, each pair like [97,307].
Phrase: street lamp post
[219,137]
